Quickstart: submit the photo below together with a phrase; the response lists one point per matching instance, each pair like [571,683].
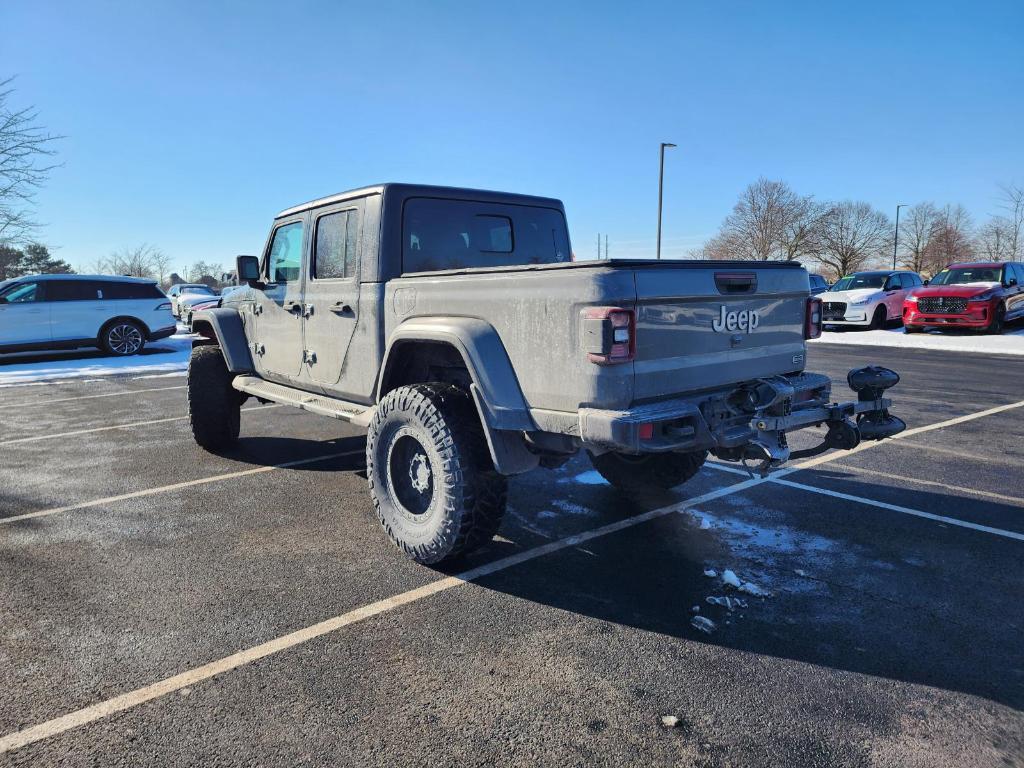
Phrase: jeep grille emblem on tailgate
[747,320]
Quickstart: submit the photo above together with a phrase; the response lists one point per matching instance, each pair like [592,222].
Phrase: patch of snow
[573,509]
[166,356]
[731,579]
[592,477]
[752,589]
[704,624]
[710,573]
[172,374]
[1009,342]
[800,572]
[669,721]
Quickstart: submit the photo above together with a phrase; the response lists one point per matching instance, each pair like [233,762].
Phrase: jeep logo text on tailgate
[747,320]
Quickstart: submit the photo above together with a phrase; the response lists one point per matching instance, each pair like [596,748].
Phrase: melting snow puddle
[573,509]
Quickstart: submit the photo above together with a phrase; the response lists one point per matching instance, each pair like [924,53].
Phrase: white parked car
[117,314]
[182,292]
[867,299]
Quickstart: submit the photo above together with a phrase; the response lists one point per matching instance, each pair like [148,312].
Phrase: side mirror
[1012,282]
[248,270]
[925,282]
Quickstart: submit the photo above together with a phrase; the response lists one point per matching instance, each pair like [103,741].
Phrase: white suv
[117,314]
[867,299]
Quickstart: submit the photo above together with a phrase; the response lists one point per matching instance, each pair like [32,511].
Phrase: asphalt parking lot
[165,606]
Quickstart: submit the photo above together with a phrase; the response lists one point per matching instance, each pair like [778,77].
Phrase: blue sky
[189,125]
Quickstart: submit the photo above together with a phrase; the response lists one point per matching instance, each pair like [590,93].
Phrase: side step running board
[354,413]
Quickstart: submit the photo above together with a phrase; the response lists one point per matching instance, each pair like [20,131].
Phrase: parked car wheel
[214,406]
[658,470]
[995,325]
[879,319]
[431,479]
[122,338]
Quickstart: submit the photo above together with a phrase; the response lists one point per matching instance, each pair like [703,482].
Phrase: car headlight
[986,296]
[911,298]
[862,302]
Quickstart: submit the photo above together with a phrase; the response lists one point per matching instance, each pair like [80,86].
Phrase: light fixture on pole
[661,186]
[896,237]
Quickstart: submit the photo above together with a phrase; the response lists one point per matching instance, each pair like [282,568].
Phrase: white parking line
[1016,500]
[36,438]
[903,435]
[93,397]
[902,510]
[173,487]
[177,682]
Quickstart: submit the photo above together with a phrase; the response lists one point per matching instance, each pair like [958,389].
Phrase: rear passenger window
[454,234]
[337,240]
[285,259]
[73,290]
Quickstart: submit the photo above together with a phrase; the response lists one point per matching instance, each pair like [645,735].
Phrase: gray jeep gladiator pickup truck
[454,325]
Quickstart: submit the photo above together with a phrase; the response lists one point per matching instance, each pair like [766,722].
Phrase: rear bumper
[976,316]
[728,421]
[162,333]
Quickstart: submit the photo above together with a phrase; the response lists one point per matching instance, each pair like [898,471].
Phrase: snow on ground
[1010,342]
[167,357]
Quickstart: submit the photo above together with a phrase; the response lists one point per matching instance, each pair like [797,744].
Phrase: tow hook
[869,383]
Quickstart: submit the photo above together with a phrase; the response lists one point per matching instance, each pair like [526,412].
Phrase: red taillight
[611,335]
[812,320]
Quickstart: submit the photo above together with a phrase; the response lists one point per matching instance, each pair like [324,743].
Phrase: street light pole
[661,186]
[896,237]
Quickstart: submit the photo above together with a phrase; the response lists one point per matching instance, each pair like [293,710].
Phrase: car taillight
[162,305]
[610,335]
[812,319]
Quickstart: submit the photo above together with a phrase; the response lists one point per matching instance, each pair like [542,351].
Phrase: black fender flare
[224,326]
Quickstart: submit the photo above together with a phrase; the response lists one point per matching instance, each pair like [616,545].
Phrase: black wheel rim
[124,339]
[410,475]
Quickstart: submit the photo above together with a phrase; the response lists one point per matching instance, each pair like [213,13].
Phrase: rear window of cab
[456,234]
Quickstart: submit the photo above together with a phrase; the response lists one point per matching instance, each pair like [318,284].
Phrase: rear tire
[652,470]
[214,406]
[995,325]
[878,320]
[435,490]
[122,338]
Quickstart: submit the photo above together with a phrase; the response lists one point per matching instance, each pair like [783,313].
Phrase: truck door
[332,295]
[278,307]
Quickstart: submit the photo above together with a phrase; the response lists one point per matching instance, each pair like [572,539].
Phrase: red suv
[981,295]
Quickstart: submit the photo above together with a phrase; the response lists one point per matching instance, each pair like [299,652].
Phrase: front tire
[879,319]
[122,338]
[651,470]
[995,325]
[214,406]
[436,492]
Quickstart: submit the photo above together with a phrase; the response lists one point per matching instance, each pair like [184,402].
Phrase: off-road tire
[214,406]
[465,501]
[995,325]
[879,319]
[651,470]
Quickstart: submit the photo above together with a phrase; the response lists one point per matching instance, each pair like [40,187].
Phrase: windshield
[855,282]
[197,289]
[964,275]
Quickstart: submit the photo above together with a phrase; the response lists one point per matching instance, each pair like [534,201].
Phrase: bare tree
[853,234]
[952,240]
[25,152]
[921,225]
[141,261]
[769,221]
[205,272]
[995,238]
[1013,203]
[161,266]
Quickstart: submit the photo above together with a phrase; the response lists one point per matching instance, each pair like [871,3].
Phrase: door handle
[291,306]
[341,308]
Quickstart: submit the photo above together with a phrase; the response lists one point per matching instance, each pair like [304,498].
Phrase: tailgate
[702,326]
